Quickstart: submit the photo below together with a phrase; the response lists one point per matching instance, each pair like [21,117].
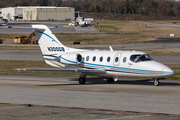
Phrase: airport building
[48,13]
[38,13]
[12,13]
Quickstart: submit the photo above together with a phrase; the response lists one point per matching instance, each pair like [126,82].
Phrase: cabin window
[124,59]
[140,57]
[87,58]
[116,59]
[108,59]
[101,59]
[94,58]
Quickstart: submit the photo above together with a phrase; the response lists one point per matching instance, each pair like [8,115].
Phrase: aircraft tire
[110,80]
[82,80]
[156,82]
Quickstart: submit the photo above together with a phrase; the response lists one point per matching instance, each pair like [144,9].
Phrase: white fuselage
[117,63]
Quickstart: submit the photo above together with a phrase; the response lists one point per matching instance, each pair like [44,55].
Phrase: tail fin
[50,46]
[48,42]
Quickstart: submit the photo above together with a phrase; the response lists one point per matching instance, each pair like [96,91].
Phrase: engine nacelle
[71,59]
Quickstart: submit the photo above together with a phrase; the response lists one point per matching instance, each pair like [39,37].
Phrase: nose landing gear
[156,82]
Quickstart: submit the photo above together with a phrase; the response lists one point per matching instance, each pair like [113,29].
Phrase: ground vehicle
[24,39]
[72,24]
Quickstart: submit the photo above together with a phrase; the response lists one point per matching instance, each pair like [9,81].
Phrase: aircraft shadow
[147,82]
[94,81]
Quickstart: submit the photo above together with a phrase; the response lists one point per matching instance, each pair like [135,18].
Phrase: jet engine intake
[71,58]
[78,58]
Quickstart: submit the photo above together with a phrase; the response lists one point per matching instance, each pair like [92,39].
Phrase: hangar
[11,13]
[38,13]
[48,13]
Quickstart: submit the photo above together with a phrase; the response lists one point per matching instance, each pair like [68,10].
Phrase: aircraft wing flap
[66,70]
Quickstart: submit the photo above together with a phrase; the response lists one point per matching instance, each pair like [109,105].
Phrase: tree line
[127,7]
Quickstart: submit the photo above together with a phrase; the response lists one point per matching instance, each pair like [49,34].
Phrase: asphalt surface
[165,40]
[14,112]
[125,99]
[61,28]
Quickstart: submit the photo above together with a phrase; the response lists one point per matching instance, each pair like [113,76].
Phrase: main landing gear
[156,82]
[110,80]
[82,78]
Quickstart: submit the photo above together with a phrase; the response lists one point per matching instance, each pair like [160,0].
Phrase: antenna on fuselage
[111,49]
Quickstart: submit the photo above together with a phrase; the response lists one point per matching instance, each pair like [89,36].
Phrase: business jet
[105,63]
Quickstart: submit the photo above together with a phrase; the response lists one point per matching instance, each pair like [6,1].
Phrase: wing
[66,70]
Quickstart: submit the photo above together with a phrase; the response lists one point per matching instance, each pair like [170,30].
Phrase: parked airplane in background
[110,64]
[5,23]
[81,21]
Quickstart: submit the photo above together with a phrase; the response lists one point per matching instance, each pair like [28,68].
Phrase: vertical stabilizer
[50,46]
[48,42]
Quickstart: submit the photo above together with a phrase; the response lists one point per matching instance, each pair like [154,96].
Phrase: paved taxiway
[60,28]
[125,95]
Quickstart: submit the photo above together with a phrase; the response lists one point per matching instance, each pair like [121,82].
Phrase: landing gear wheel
[82,80]
[156,82]
[110,80]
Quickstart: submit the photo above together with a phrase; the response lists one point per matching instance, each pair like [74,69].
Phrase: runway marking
[89,109]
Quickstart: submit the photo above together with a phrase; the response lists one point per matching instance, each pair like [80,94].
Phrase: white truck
[72,24]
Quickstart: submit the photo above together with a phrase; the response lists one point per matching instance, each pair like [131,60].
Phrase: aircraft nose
[167,71]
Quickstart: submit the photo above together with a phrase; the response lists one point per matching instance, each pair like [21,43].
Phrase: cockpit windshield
[140,57]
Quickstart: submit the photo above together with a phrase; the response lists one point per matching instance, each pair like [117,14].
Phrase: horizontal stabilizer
[66,70]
